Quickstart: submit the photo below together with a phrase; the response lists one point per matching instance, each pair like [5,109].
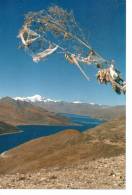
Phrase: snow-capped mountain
[39,98]
[77,102]
[91,109]
[35,98]
[92,103]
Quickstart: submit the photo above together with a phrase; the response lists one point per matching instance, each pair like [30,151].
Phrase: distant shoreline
[74,124]
[11,133]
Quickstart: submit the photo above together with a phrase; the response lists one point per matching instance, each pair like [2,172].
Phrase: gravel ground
[105,173]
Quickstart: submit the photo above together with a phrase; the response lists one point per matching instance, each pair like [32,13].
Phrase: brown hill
[7,128]
[66,148]
[17,112]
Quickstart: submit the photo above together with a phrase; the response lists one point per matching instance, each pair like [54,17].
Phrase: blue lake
[30,132]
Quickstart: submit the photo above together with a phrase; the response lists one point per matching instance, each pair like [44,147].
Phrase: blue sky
[104,22]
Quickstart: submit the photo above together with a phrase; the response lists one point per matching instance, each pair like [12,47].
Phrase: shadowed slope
[7,128]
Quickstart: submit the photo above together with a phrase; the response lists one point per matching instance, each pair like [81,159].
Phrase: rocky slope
[17,112]
[104,173]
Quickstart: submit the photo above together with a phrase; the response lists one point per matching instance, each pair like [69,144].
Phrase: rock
[53,177]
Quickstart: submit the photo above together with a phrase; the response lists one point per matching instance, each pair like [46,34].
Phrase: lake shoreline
[52,125]
[29,132]
[1,134]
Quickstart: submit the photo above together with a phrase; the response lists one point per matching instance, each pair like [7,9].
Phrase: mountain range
[40,110]
[76,107]
[18,112]
[39,98]
[94,158]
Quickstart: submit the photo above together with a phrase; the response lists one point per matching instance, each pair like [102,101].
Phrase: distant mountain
[66,148]
[7,128]
[35,98]
[18,112]
[95,111]
[39,98]
[76,107]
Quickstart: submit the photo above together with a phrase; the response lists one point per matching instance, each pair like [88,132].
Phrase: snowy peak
[35,98]
[76,102]
[38,98]
[41,99]
[81,102]
[92,103]
[30,99]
